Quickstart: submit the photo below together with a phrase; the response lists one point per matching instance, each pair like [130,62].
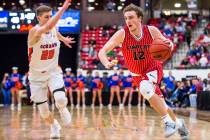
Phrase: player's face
[44,17]
[132,20]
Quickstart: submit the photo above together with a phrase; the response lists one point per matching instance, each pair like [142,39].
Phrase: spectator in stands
[5,89]
[199,85]
[193,61]
[179,95]
[206,83]
[170,82]
[16,85]
[110,6]
[180,28]
[203,62]
[185,62]
[206,38]
[188,35]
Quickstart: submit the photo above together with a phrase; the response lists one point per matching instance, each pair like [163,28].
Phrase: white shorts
[41,82]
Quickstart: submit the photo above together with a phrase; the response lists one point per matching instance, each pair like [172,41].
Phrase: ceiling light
[22,2]
[177,5]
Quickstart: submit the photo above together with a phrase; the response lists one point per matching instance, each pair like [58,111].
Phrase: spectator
[110,6]
[188,35]
[203,61]
[5,89]
[169,81]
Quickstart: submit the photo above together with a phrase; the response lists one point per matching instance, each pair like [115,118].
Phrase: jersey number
[47,54]
[138,55]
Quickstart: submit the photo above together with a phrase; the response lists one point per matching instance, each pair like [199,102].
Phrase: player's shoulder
[152,28]
[120,32]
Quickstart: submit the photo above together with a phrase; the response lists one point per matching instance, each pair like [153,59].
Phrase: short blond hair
[136,9]
[42,9]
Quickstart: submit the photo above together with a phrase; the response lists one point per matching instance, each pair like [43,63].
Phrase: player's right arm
[115,40]
[35,33]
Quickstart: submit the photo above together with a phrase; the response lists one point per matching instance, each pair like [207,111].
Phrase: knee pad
[44,110]
[60,99]
[147,89]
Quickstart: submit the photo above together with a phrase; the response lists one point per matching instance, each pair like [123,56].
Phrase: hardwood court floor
[89,124]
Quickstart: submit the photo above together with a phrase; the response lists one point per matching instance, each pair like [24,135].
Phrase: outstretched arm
[53,21]
[36,32]
[114,41]
[66,40]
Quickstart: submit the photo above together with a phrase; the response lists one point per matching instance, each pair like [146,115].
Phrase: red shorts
[154,75]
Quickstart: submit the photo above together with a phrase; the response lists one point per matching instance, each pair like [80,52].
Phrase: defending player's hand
[66,4]
[111,64]
[68,40]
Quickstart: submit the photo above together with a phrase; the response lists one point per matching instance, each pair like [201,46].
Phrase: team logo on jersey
[142,47]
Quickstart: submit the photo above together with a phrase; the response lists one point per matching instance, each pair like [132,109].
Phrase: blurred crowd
[15,87]
[177,93]
[198,53]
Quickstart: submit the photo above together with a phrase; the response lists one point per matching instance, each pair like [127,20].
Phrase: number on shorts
[47,54]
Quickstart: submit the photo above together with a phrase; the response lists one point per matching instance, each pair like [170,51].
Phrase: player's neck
[138,32]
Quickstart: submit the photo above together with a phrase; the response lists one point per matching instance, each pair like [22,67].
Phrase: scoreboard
[21,21]
[24,21]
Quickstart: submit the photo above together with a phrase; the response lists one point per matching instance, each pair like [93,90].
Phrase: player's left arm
[156,34]
[66,40]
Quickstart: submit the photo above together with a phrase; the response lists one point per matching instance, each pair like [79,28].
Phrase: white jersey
[43,56]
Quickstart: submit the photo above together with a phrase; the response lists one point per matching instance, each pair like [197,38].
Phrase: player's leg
[150,92]
[39,91]
[83,98]
[100,98]
[94,98]
[56,85]
[182,129]
[51,99]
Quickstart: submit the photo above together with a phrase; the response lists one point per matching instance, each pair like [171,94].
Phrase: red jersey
[136,52]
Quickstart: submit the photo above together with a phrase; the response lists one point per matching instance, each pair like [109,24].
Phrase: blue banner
[4,20]
[69,22]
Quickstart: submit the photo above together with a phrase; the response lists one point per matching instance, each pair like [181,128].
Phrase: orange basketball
[160,50]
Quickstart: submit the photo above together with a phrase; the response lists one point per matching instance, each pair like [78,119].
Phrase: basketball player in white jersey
[43,46]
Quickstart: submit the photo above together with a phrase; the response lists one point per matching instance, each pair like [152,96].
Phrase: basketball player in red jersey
[44,46]
[135,40]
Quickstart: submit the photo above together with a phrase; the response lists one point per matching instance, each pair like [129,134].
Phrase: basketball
[160,50]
